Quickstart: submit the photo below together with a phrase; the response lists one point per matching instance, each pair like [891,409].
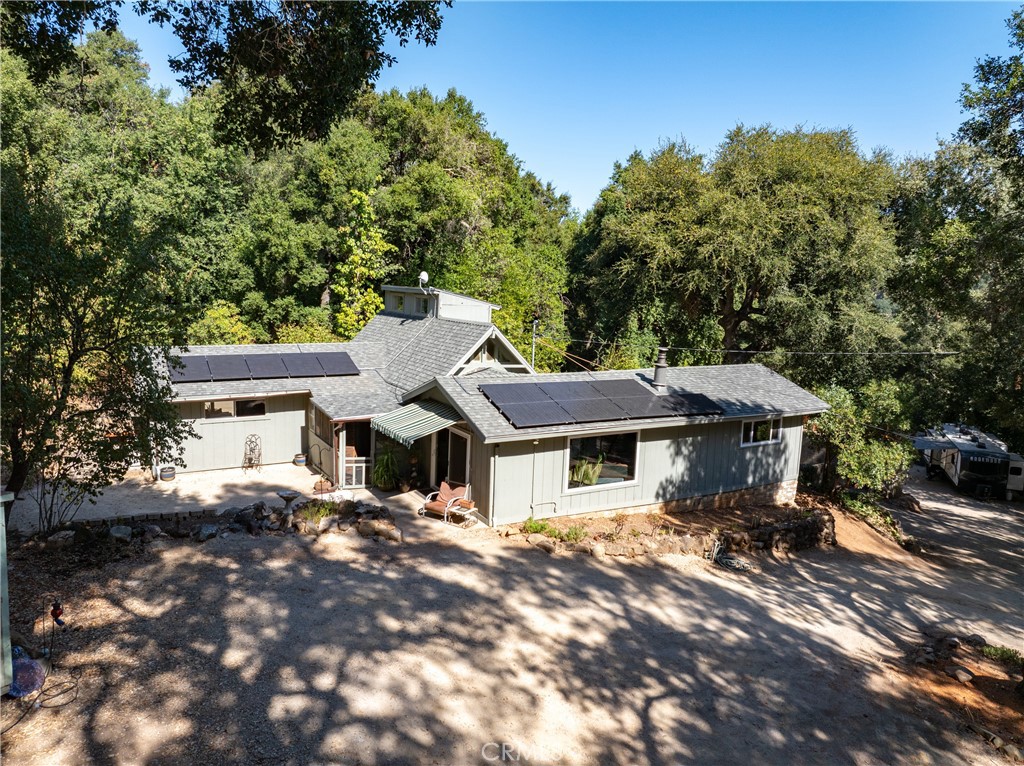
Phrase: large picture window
[598,460]
[765,431]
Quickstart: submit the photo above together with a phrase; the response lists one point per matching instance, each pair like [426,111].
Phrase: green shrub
[318,509]
[532,526]
[865,507]
[1004,655]
[574,534]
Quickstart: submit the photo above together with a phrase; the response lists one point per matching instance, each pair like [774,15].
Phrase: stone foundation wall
[769,494]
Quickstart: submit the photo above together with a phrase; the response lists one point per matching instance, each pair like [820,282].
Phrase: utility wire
[579,361]
[746,351]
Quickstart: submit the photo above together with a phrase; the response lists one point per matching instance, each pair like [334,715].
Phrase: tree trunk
[19,475]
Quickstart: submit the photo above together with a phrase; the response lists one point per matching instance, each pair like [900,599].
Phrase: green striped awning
[416,420]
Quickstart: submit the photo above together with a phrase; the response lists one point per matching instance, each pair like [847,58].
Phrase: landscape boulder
[121,533]
[204,532]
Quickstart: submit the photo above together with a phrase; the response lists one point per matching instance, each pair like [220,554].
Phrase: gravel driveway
[464,647]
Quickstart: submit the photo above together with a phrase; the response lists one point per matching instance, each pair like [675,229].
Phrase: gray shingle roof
[394,353]
[742,391]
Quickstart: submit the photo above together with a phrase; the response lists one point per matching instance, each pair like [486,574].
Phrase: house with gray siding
[741,444]
[433,379]
[420,335]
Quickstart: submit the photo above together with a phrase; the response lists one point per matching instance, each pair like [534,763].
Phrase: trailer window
[985,466]
[1016,471]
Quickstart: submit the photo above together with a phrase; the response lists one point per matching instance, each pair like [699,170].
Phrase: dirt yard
[461,646]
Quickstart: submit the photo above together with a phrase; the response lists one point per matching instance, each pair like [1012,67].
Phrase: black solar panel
[615,388]
[263,366]
[337,363]
[195,370]
[501,394]
[302,365]
[229,367]
[527,414]
[593,410]
[648,406]
[564,391]
[693,404]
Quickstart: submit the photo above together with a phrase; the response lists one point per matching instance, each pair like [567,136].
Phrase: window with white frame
[765,431]
[598,460]
[235,408]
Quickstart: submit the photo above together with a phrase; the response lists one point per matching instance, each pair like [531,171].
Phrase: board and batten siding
[672,463]
[282,433]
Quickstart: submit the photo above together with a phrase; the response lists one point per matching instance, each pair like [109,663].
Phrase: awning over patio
[414,421]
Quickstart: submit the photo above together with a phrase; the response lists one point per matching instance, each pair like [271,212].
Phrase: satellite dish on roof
[424,278]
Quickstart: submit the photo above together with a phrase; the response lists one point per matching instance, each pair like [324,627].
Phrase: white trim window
[763,431]
[602,462]
[235,408]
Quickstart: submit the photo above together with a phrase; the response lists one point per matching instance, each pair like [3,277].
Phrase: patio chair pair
[449,501]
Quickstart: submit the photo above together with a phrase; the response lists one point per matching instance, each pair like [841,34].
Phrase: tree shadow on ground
[289,651]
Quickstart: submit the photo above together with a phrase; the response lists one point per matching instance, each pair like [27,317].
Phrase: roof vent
[660,377]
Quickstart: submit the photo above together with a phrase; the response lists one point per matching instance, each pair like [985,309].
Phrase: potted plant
[385,469]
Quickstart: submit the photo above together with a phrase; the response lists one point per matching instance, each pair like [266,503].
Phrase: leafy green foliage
[88,284]
[284,70]
[220,324]
[857,453]
[363,265]
[1012,658]
[777,242]
[385,468]
[575,534]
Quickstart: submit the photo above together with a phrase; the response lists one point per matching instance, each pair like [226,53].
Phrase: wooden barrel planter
[299,459]
[167,473]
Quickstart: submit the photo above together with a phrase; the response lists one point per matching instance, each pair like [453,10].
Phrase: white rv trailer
[976,462]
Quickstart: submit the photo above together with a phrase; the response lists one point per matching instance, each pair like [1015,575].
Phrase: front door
[451,457]
[458,458]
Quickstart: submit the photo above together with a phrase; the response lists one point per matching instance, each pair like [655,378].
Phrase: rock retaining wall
[816,529]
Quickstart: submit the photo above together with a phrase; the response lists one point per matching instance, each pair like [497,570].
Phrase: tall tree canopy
[960,218]
[287,68]
[97,202]
[778,242]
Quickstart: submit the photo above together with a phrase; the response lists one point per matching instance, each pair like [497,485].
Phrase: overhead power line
[749,352]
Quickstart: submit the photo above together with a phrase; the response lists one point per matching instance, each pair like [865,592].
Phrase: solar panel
[501,394]
[195,370]
[229,367]
[693,404]
[264,366]
[302,365]
[527,414]
[337,363]
[618,387]
[593,410]
[648,406]
[564,391]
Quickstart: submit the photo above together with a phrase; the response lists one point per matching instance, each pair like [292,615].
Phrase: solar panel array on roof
[194,369]
[222,367]
[526,405]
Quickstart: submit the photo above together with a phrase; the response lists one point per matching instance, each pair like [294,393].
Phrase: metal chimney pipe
[660,367]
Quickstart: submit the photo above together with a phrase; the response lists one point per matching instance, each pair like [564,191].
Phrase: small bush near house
[534,527]
[574,534]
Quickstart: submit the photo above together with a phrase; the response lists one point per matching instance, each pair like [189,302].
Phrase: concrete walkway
[139,495]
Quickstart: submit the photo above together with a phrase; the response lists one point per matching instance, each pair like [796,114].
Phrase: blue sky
[574,87]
